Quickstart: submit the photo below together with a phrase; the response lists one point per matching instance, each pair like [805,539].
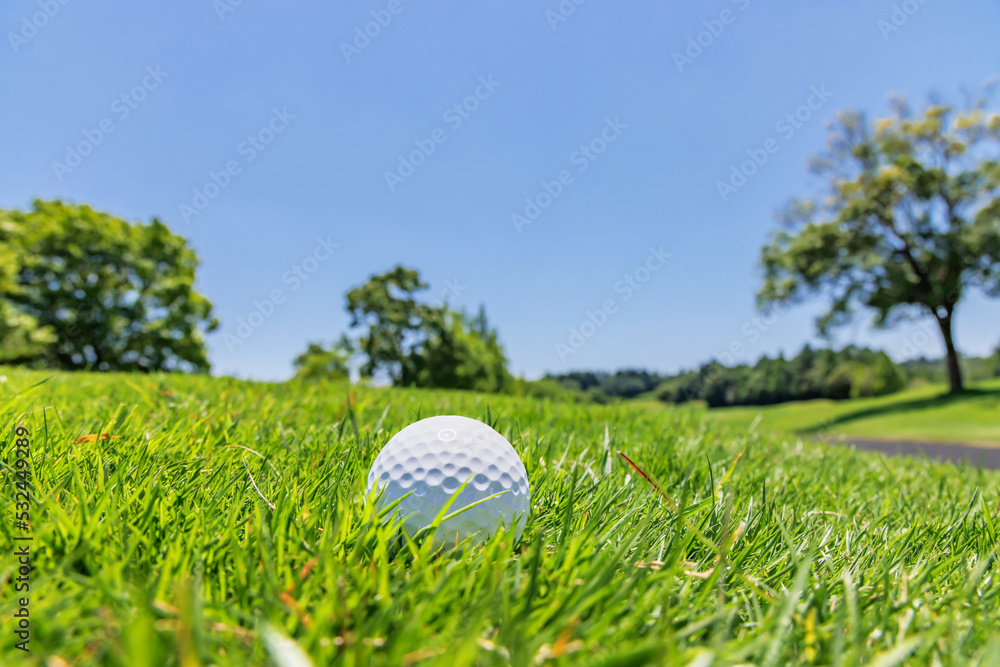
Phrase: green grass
[152,547]
[926,413]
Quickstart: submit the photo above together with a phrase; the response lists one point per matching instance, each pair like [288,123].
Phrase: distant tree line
[597,386]
[935,371]
[851,372]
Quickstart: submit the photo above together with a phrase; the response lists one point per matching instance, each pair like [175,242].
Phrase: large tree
[108,295]
[907,224]
[387,307]
[412,343]
[22,340]
[457,352]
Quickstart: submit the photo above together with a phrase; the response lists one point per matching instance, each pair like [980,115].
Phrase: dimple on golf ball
[432,458]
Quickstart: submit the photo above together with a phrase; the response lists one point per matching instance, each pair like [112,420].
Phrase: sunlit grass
[925,413]
[219,519]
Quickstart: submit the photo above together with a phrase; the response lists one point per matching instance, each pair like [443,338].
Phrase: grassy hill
[924,413]
[190,520]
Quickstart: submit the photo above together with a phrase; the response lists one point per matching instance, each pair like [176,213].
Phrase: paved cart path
[985,455]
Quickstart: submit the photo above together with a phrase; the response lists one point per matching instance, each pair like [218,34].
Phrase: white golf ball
[432,458]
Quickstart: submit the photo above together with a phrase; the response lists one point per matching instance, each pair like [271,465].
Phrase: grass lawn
[222,522]
[925,413]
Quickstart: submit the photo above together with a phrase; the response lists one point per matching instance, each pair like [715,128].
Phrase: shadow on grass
[915,405]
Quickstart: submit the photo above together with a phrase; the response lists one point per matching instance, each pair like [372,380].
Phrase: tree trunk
[951,356]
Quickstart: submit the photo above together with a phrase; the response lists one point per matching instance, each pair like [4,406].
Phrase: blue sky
[308,128]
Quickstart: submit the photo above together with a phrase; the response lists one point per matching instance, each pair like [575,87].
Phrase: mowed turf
[925,413]
[223,522]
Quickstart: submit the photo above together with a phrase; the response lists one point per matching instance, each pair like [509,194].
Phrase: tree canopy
[813,373]
[401,339]
[21,338]
[386,306]
[84,289]
[457,351]
[907,224]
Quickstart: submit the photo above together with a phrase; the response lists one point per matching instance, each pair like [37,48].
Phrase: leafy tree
[908,224]
[806,385]
[105,294]
[457,352]
[325,363]
[416,344]
[877,378]
[770,381]
[22,340]
[720,389]
[386,305]
[839,382]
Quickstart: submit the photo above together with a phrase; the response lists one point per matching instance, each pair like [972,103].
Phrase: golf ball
[432,458]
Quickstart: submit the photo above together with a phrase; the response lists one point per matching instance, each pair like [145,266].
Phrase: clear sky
[309,114]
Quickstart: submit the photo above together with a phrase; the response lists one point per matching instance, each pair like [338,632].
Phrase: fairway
[191,520]
[924,413]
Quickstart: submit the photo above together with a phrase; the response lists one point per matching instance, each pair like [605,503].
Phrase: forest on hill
[851,372]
